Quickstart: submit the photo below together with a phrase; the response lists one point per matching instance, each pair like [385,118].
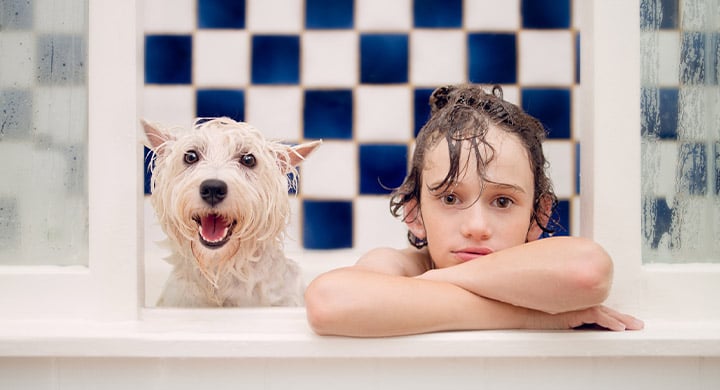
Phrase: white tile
[577,9]
[61,112]
[169,105]
[511,94]
[375,226]
[437,57]
[275,16]
[383,114]
[668,58]
[69,16]
[17,62]
[331,171]
[575,216]
[293,241]
[329,59]
[221,58]
[546,58]
[575,118]
[276,111]
[383,15]
[560,155]
[169,16]
[491,15]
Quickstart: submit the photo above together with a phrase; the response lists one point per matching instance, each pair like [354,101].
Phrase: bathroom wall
[358,74]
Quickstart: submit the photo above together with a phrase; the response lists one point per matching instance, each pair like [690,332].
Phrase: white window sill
[284,333]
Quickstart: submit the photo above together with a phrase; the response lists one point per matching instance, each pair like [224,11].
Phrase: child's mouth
[467,254]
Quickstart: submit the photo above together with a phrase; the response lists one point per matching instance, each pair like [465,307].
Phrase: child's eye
[503,202]
[449,199]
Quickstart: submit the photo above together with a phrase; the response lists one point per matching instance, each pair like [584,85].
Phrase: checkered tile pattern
[43,132]
[680,108]
[358,75]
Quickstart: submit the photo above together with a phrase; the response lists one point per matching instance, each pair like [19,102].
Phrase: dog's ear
[154,137]
[299,153]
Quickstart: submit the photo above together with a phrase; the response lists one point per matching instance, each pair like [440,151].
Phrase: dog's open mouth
[214,230]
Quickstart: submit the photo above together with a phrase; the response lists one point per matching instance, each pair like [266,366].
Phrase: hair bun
[440,97]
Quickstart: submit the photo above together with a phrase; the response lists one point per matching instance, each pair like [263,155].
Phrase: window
[680,123]
[81,260]
[612,182]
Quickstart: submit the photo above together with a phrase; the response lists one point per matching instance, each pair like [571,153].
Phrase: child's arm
[553,275]
[377,298]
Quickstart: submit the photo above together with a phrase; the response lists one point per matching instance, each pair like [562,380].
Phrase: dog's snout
[213,191]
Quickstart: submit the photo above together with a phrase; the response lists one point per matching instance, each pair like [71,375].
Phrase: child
[476,200]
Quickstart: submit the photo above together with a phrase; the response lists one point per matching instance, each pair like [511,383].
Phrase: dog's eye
[248,160]
[191,157]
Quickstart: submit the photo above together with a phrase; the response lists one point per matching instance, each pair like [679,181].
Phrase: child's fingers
[630,322]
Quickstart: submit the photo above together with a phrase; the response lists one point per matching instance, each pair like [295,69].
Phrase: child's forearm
[552,275]
[352,302]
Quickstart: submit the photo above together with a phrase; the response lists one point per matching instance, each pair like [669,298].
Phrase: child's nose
[476,224]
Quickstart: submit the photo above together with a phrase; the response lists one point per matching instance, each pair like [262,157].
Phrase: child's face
[474,218]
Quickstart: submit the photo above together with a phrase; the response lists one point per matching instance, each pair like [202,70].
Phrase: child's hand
[602,316]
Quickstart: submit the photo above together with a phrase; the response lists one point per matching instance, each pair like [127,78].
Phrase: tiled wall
[358,75]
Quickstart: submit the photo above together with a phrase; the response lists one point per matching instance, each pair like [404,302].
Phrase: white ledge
[284,333]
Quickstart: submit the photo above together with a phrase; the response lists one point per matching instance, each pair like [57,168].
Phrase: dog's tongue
[214,227]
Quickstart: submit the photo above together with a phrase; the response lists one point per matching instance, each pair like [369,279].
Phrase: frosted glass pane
[680,130]
[43,132]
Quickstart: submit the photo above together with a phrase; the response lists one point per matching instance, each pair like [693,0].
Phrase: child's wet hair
[464,113]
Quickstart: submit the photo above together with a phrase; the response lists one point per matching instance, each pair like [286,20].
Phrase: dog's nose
[213,191]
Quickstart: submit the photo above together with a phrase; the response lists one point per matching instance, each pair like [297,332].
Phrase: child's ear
[299,153]
[413,219]
[154,137]
[543,215]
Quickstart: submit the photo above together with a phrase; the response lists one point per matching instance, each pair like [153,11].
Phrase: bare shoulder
[402,262]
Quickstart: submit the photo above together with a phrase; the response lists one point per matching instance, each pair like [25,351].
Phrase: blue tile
[545,13]
[422,108]
[329,14]
[560,221]
[327,224]
[382,168]
[10,226]
[328,114]
[383,58]
[275,59]
[659,111]
[16,15]
[16,112]
[492,58]
[577,168]
[168,59]
[148,166]
[692,169]
[437,13]
[213,103]
[693,58]
[61,59]
[551,107]
[577,57]
[657,216]
[651,19]
[221,14]
[717,168]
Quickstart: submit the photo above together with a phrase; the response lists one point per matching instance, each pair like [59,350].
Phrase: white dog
[220,191]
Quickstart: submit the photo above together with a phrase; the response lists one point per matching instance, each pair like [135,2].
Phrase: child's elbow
[593,275]
[321,306]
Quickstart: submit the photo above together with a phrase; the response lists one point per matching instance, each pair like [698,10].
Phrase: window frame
[111,287]
[611,166]
[108,288]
